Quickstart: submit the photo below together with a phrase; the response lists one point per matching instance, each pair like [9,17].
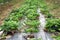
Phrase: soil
[54,6]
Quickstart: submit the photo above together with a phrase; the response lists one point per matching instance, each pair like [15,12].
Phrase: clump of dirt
[29,36]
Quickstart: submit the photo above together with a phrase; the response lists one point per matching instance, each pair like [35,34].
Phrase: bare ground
[54,5]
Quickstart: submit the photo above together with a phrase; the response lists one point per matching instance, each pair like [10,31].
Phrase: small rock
[28,38]
[9,36]
[1,32]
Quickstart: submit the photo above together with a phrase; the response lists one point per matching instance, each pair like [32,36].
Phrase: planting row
[32,16]
[29,9]
[52,23]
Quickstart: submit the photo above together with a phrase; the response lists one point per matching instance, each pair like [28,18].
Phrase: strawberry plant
[32,23]
[10,26]
[33,16]
[53,25]
[57,38]
[24,8]
[32,30]
[16,16]
[33,26]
